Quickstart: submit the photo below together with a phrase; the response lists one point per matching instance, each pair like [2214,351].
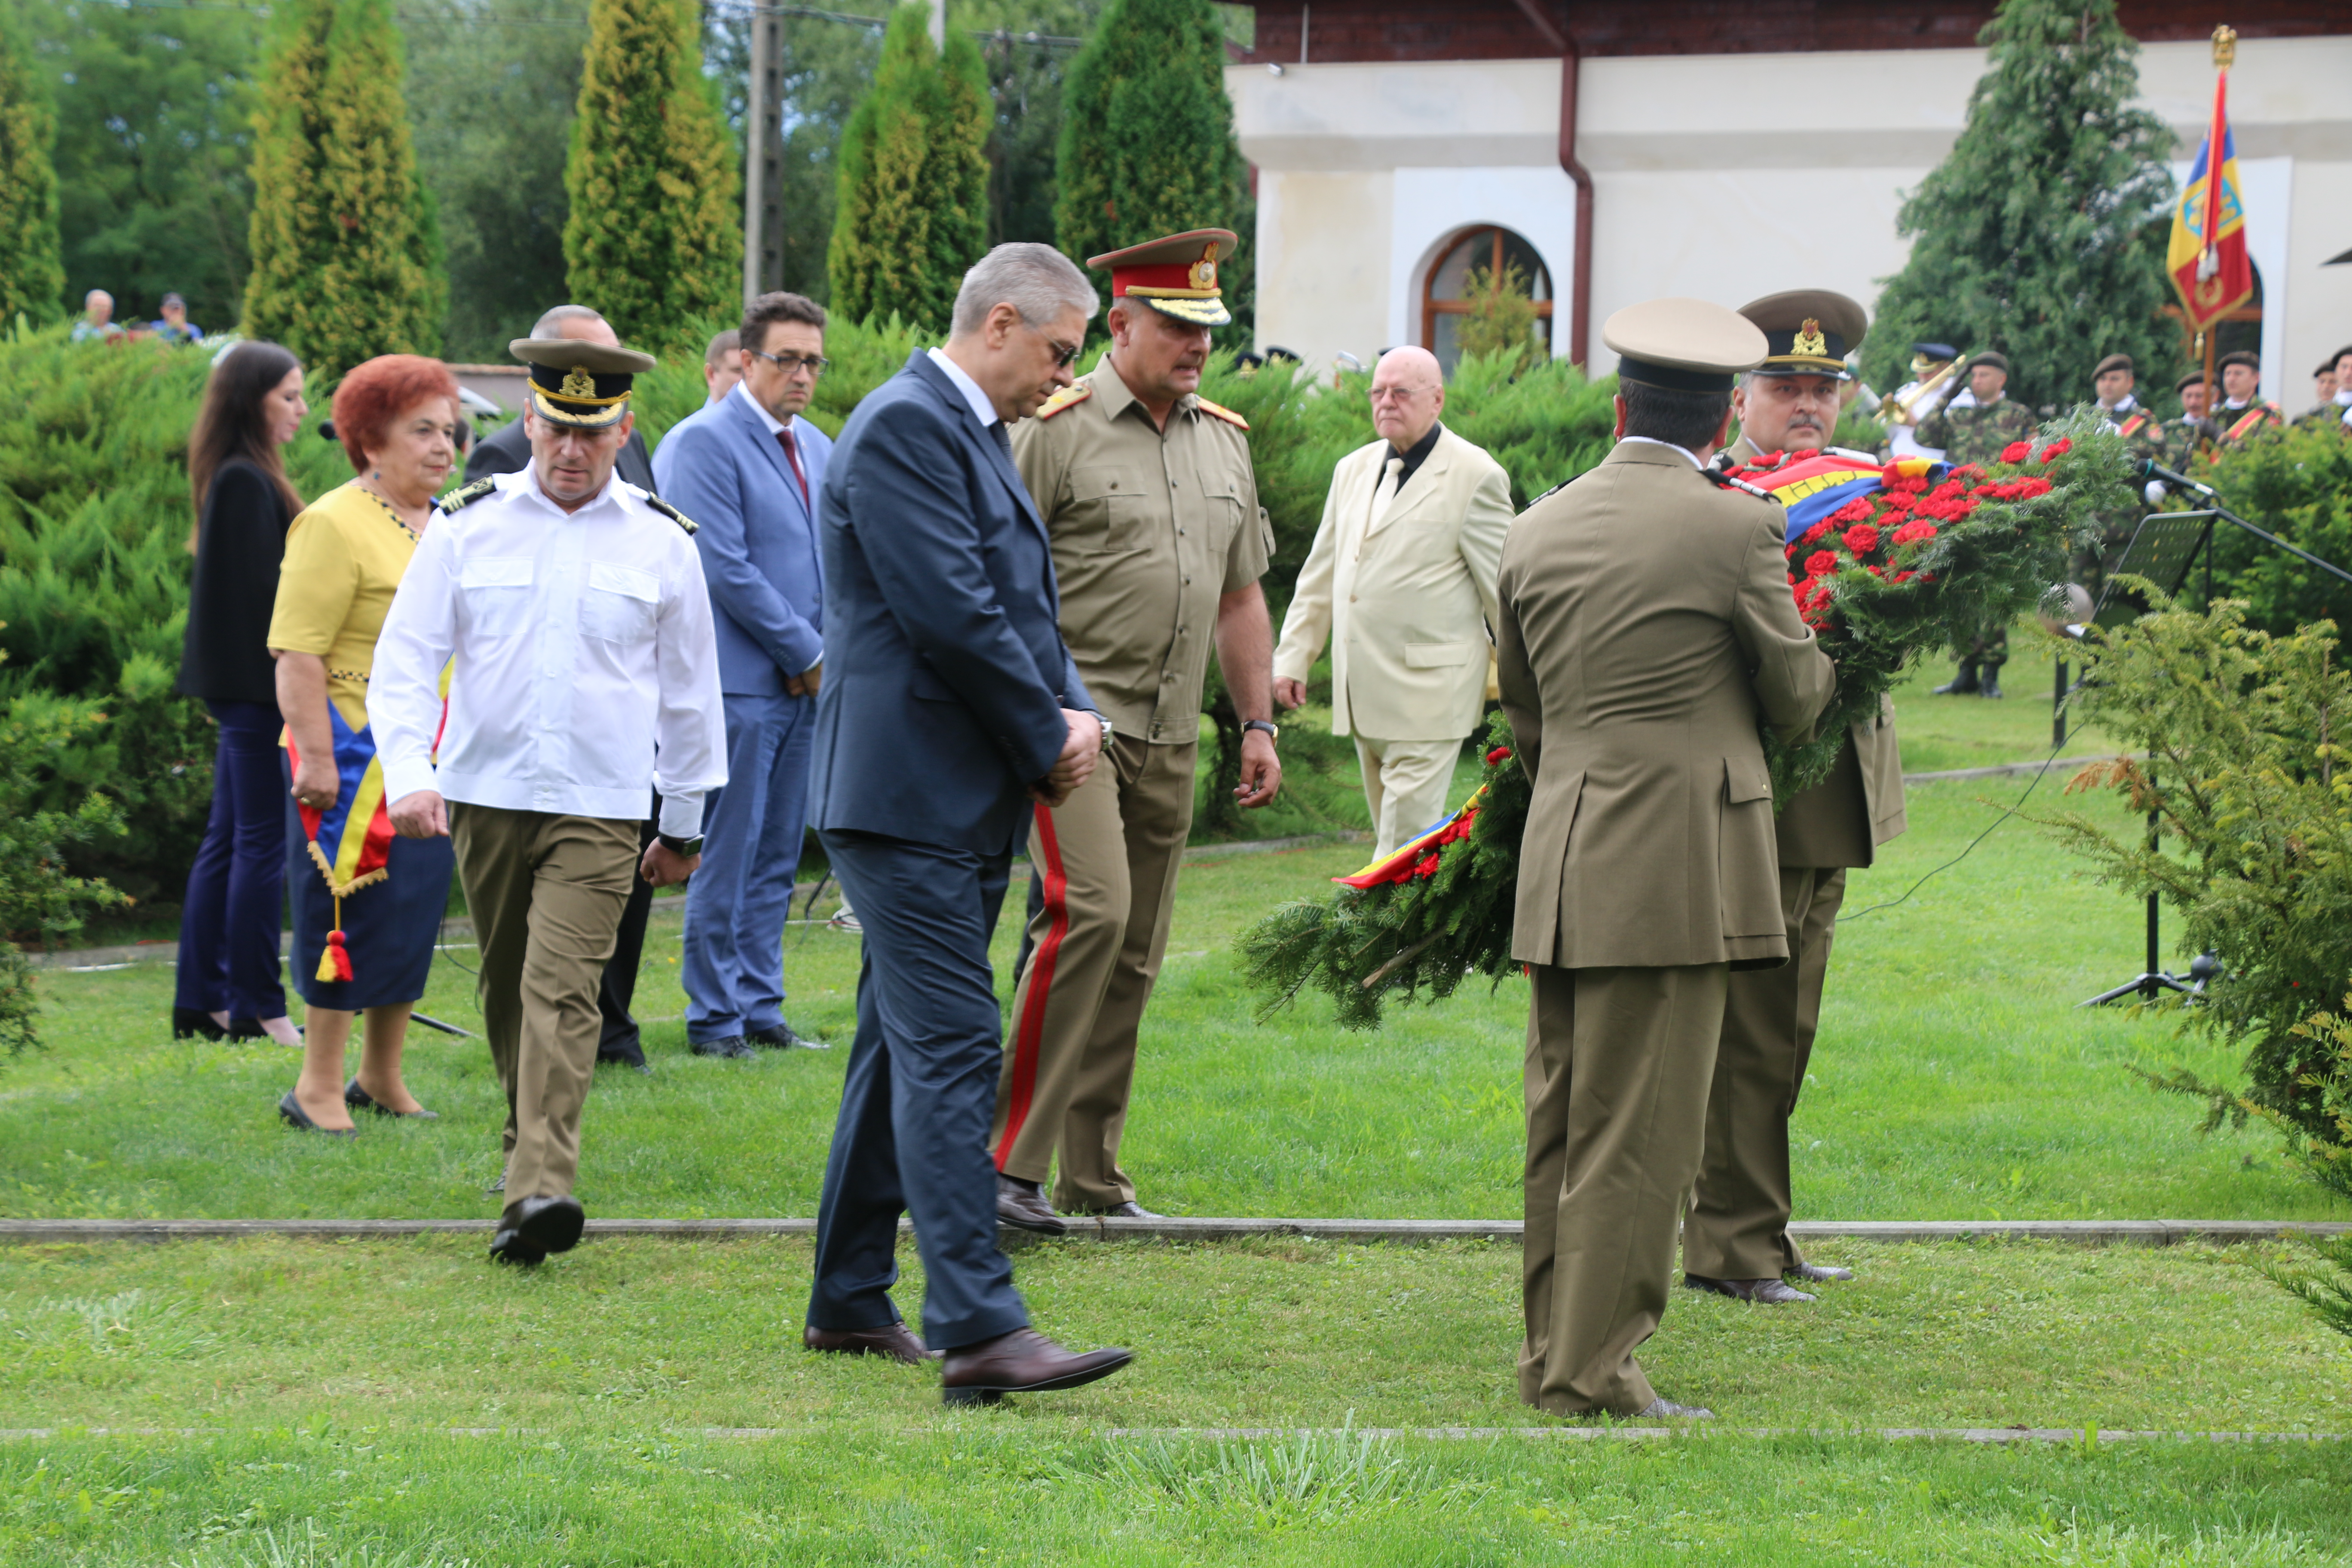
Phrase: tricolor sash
[2246,425]
[1812,488]
[1407,861]
[350,840]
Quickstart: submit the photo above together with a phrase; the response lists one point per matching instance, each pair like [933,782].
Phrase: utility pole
[763,220]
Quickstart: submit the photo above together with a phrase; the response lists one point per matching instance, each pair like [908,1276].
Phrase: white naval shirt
[585,665]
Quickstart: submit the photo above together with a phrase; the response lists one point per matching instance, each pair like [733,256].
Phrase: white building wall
[1725,177]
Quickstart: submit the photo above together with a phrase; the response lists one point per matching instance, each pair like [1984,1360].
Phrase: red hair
[379,392]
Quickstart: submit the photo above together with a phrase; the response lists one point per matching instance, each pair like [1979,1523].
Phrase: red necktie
[792,455]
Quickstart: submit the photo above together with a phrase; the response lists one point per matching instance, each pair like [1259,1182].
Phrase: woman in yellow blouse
[397,417]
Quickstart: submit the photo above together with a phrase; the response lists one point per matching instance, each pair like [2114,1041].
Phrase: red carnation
[2017,451]
[1912,531]
[1816,533]
[1904,577]
[2057,449]
[1821,564]
[1852,512]
[1968,471]
[1497,754]
[1862,539]
[2027,489]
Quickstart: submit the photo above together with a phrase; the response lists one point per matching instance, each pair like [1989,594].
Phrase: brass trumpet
[1894,410]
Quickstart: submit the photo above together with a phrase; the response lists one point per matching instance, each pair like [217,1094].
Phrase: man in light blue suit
[747,468]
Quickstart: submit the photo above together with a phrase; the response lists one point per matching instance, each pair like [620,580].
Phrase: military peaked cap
[1809,331]
[584,386]
[1684,345]
[1176,276]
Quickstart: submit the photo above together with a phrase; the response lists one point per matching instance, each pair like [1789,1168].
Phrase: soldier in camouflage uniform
[2193,433]
[2113,383]
[2334,410]
[1976,432]
[2245,415]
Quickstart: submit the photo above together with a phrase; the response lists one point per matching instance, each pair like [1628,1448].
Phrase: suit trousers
[912,1136]
[736,906]
[1617,1067]
[1739,1221]
[1104,862]
[545,891]
[1405,786]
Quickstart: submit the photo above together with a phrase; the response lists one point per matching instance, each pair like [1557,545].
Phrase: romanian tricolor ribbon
[2207,257]
[350,840]
[1810,487]
[1407,861]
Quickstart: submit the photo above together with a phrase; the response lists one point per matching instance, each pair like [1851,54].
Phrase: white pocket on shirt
[618,602]
[495,591]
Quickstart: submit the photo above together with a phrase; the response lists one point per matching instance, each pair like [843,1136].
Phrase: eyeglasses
[788,363]
[1063,352]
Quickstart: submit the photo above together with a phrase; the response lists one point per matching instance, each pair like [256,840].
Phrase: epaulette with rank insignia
[1227,415]
[1068,397]
[457,499]
[1724,481]
[1553,492]
[669,512]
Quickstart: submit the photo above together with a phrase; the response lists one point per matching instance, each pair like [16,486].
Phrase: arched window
[1490,250]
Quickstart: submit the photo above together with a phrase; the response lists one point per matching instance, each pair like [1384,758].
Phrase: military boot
[1963,684]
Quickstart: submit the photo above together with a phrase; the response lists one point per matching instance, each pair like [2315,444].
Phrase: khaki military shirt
[1149,529]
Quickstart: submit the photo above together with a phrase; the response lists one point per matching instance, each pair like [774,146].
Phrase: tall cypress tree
[346,255]
[32,268]
[912,214]
[654,236]
[1148,142]
[2039,235]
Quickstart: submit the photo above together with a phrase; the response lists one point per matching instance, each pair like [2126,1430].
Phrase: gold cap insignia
[1810,339]
[577,384]
[1205,271]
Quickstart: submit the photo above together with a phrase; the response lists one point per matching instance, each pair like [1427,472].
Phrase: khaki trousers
[546,893]
[1617,1069]
[1738,1223]
[1405,786]
[1106,859]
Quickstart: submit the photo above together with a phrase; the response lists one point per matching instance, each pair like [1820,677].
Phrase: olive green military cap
[1810,332]
[1684,345]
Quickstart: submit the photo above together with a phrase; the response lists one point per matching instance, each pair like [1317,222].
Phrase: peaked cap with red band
[1176,276]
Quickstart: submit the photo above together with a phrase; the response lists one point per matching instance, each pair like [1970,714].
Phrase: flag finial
[2225,47]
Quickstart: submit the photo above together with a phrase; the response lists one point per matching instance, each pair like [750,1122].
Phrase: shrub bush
[2297,485]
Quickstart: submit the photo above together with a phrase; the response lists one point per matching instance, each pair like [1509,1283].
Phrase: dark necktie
[792,455]
[1004,442]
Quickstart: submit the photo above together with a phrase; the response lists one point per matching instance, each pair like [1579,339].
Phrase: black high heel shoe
[195,1024]
[359,1098]
[290,1109]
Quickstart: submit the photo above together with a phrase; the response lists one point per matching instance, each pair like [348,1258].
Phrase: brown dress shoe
[1818,1273]
[1022,1362]
[1023,1206]
[1764,1292]
[896,1340]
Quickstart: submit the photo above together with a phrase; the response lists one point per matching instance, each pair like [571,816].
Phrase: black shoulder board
[670,513]
[459,500]
[1724,481]
[1551,492]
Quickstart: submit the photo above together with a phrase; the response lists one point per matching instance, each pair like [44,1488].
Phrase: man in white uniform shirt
[571,608]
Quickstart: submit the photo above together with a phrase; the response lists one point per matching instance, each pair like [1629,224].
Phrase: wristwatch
[1273,732]
[684,848]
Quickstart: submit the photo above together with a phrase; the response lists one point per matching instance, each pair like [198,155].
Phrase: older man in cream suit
[1401,580]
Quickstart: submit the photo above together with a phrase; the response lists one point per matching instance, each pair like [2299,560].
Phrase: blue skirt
[389,929]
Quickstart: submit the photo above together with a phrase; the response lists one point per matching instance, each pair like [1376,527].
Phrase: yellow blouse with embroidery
[345,555]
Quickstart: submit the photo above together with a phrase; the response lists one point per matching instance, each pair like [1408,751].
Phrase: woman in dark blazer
[235,909]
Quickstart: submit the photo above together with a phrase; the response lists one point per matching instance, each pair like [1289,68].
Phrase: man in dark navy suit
[949,706]
[747,469]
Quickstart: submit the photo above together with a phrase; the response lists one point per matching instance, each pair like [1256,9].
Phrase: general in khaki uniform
[1736,1238]
[570,609]
[1158,543]
[1645,624]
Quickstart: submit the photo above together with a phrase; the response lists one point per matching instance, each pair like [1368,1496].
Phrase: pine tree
[1148,142]
[32,268]
[654,236]
[2040,234]
[346,254]
[912,214]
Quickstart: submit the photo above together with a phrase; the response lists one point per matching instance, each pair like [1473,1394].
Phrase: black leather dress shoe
[1023,1206]
[289,1110]
[1764,1292]
[783,1038]
[195,1024]
[531,1228]
[1022,1362]
[359,1098]
[1128,1210]
[1818,1273]
[896,1340]
[733,1047]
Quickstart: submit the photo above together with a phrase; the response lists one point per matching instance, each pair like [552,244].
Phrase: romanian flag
[2206,257]
[1810,487]
[1418,855]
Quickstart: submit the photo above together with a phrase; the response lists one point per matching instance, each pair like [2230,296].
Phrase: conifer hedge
[346,256]
[32,268]
[655,232]
[1148,144]
[912,214]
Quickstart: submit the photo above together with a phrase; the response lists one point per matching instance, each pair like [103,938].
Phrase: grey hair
[545,326]
[1037,280]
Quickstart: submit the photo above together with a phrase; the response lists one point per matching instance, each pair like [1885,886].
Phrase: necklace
[398,521]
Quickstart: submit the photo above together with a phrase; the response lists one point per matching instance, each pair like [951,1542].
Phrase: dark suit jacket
[507,450]
[758,538]
[945,670]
